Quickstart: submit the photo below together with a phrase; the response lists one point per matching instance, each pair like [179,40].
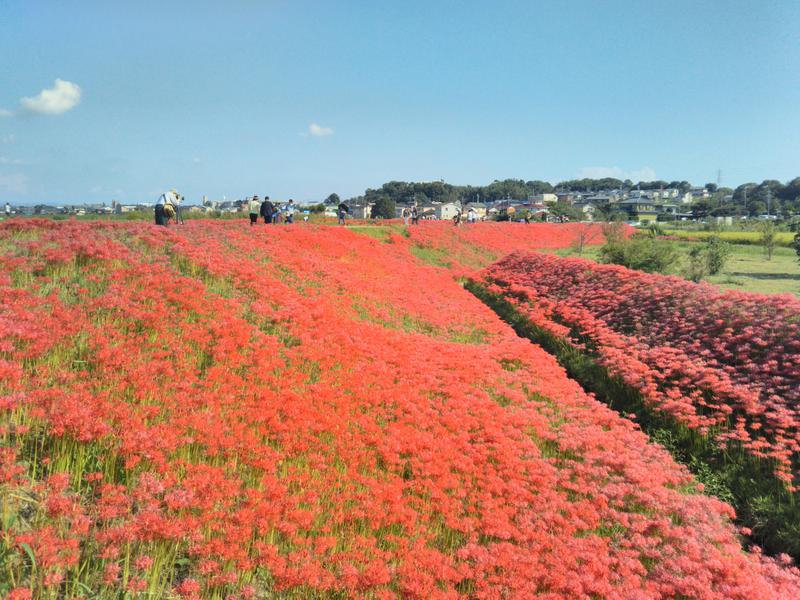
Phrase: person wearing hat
[254,206]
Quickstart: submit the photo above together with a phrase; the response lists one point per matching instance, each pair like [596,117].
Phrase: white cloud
[56,100]
[6,113]
[319,131]
[10,161]
[643,174]
[15,183]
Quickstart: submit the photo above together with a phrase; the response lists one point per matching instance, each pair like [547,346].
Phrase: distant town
[582,200]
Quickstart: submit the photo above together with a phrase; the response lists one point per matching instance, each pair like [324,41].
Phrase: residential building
[543,198]
[448,210]
[640,209]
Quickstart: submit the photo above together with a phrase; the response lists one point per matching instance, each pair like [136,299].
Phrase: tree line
[769,196]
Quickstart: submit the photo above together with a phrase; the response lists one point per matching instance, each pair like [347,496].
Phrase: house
[361,211]
[478,207]
[587,209]
[640,209]
[543,199]
[599,199]
[448,210]
[699,193]
[569,198]
[427,211]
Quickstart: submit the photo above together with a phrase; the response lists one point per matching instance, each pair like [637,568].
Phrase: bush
[717,252]
[648,254]
[698,265]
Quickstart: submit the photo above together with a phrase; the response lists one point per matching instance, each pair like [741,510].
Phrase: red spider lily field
[718,361]
[311,411]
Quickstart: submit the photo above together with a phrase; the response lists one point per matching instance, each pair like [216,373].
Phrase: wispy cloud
[8,139]
[319,131]
[60,98]
[4,160]
[643,174]
[5,113]
[14,183]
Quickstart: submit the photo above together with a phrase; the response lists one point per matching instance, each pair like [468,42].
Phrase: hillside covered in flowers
[218,411]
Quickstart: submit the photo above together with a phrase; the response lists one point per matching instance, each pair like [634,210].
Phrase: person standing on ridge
[8,210]
[254,207]
[290,208]
[342,211]
[266,210]
[178,211]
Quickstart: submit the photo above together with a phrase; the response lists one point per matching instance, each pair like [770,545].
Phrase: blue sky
[303,99]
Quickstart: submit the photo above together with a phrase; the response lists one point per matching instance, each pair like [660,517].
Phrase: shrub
[648,254]
[717,252]
[698,264]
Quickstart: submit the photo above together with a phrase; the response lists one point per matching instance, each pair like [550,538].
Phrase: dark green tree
[383,208]
[333,200]
[565,210]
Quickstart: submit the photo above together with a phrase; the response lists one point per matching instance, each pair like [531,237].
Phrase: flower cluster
[477,245]
[219,411]
[725,363]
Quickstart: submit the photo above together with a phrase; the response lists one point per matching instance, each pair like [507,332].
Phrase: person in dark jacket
[266,210]
[342,211]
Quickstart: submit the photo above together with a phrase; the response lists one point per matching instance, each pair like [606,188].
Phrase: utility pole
[719,177]
[769,202]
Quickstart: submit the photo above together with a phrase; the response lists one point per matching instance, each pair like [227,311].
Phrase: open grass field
[783,238]
[224,411]
[747,268]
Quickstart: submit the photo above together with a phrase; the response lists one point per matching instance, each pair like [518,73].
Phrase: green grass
[379,232]
[783,238]
[747,268]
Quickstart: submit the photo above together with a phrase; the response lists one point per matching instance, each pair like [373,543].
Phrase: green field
[783,238]
[747,268]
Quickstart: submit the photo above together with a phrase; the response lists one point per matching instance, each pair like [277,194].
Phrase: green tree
[383,208]
[333,200]
[565,210]
[796,243]
[768,237]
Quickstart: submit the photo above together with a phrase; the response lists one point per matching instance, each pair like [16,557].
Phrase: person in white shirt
[165,207]
[178,213]
[289,211]
[254,206]
[8,209]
